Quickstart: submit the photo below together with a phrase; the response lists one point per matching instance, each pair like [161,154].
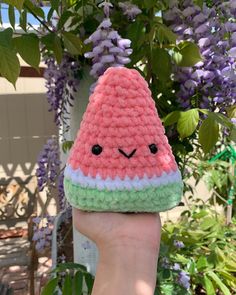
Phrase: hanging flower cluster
[61,193]
[48,164]
[109,49]
[129,9]
[43,232]
[62,81]
[211,83]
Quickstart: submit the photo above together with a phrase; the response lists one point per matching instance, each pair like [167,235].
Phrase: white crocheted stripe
[77,177]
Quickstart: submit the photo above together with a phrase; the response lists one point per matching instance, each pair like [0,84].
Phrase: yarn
[150,199]
[127,183]
[121,151]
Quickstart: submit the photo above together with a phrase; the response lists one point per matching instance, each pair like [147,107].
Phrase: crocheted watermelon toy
[121,160]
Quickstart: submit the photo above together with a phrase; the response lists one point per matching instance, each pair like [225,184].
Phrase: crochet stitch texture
[121,160]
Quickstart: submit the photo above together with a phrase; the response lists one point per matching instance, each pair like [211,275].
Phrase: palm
[117,228]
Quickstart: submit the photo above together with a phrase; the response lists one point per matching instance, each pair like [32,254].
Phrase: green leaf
[187,122]
[200,214]
[149,3]
[166,274]
[66,146]
[17,3]
[55,4]
[28,48]
[89,282]
[50,14]
[57,48]
[69,265]
[167,288]
[72,43]
[171,118]
[72,2]
[227,276]
[177,57]
[181,258]
[11,15]
[210,290]
[64,18]
[9,63]
[191,267]
[221,119]
[220,255]
[231,265]
[23,20]
[233,134]
[161,64]
[165,35]
[78,283]
[199,3]
[53,43]
[202,263]
[207,223]
[208,134]
[187,54]
[50,287]
[136,33]
[219,283]
[67,286]
[33,9]
[231,111]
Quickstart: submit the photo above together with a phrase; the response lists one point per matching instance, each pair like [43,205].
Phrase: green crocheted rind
[153,199]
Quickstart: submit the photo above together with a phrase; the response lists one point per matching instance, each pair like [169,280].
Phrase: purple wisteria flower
[176,266]
[211,83]
[129,9]
[48,164]
[184,279]
[178,244]
[106,7]
[62,258]
[233,120]
[42,232]
[62,82]
[109,49]
[61,192]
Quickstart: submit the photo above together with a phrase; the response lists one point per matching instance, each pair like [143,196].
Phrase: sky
[30,19]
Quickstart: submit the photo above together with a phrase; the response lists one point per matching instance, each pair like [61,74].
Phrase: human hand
[128,250]
[114,229]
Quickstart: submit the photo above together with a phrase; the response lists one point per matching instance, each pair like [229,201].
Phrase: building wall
[25,125]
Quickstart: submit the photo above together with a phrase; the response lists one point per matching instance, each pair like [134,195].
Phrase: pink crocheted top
[121,120]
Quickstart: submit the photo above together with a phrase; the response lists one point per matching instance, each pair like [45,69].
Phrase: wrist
[133,264]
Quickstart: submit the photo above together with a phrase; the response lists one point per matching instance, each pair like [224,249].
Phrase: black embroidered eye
[153,148]
[96,149]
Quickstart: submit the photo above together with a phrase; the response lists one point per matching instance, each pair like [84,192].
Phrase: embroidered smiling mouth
[127,155]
